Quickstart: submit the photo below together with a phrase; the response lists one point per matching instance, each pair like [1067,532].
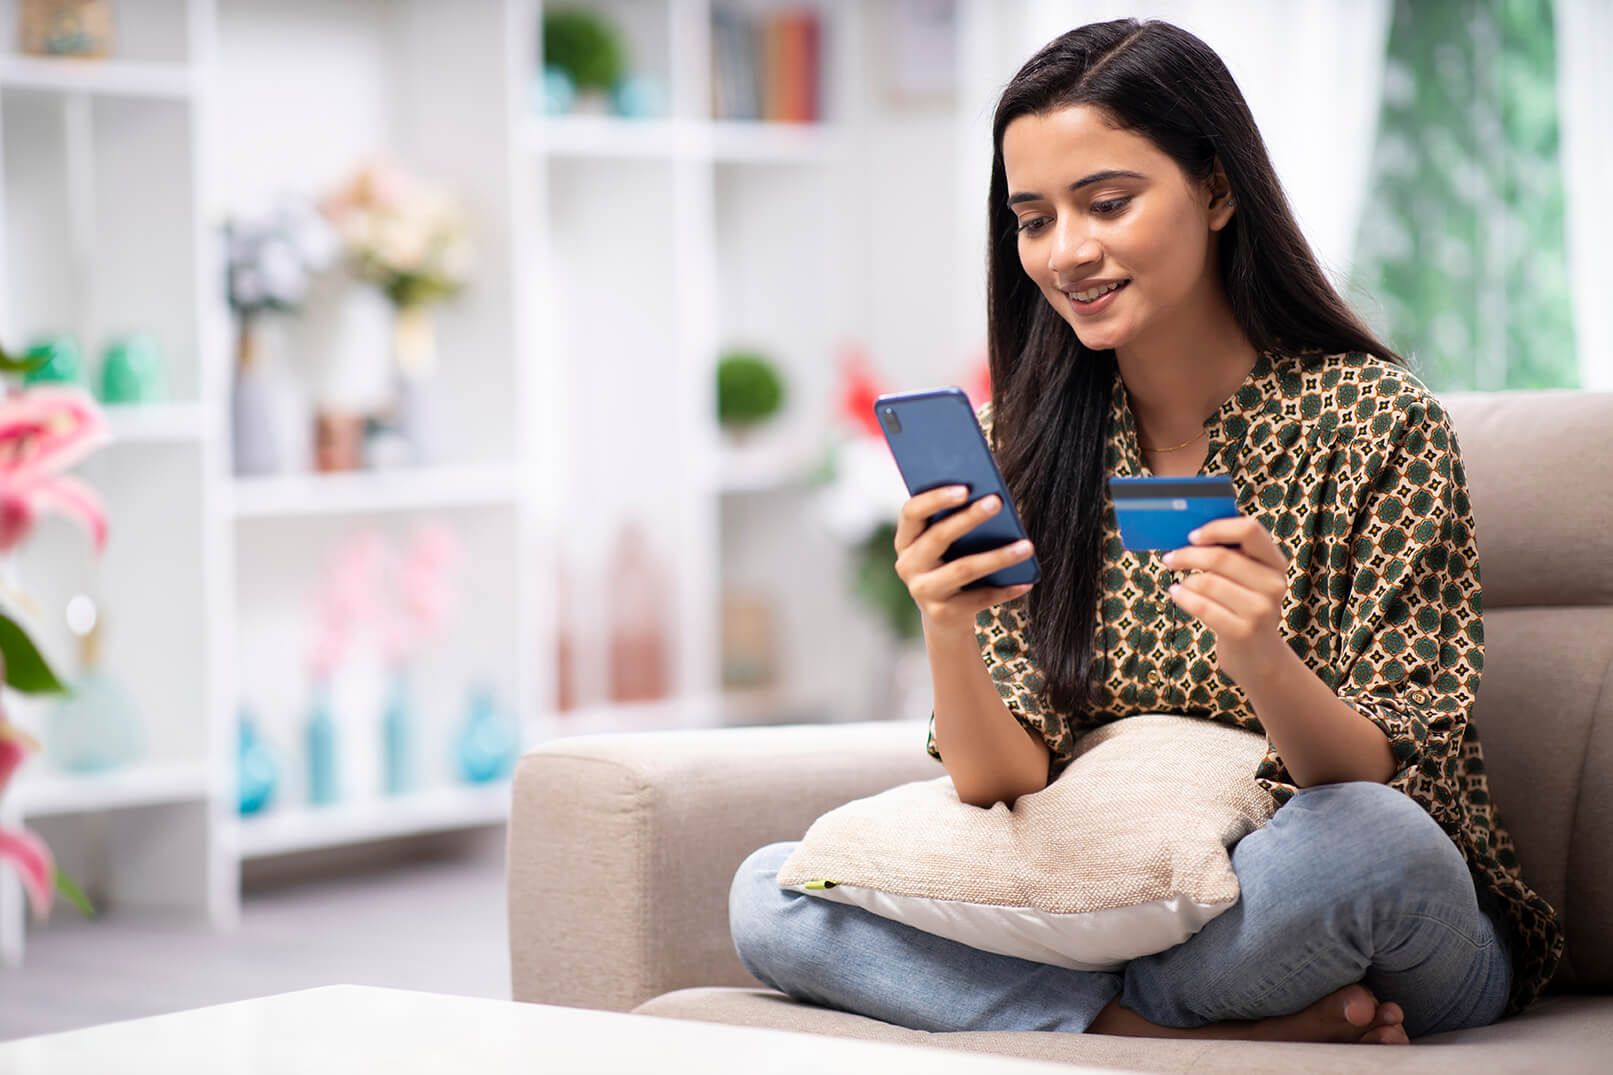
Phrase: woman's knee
[754,900]
[1381,835]
[1356,847]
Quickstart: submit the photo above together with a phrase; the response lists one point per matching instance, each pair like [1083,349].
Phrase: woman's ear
[1219,190]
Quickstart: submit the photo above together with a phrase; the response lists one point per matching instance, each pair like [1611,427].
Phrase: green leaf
[73,894]
[26,669]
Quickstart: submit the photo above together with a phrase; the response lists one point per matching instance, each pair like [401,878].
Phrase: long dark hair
[1050,394]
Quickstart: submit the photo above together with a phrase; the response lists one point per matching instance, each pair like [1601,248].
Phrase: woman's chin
[1096,338]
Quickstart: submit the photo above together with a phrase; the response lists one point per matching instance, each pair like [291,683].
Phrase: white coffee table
[349,1028]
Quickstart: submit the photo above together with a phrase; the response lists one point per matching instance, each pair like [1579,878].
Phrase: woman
[1155,310]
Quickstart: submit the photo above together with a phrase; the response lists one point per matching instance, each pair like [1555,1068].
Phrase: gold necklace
[1184,444]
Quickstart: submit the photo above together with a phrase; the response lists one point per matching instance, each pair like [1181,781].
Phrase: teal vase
[398,738]
[553,93]
[131,371]
[94,728]
[488,741]
[320,740]
[256,771]
[63,362]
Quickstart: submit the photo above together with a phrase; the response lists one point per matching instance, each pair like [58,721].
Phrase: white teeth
[1088,296]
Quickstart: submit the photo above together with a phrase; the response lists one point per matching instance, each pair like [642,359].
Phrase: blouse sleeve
[1412,636]
[1002,634]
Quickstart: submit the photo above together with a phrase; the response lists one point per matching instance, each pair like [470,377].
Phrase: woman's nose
[1072,248]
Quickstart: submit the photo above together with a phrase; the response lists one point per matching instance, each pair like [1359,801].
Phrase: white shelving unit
[616,259]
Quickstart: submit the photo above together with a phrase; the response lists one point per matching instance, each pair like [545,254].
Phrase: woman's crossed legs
[1348,883]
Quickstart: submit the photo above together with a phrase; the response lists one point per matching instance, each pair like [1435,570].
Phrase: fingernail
[990,503]
[957,492]
[1022,546]
[1193,535]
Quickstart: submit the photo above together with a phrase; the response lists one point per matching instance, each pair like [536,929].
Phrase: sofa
[622,847]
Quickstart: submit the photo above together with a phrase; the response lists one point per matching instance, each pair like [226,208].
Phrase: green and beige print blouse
[1353,466]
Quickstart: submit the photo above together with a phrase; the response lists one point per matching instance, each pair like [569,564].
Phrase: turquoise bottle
[398,738]
[488,741]
[320,741]
[256,771]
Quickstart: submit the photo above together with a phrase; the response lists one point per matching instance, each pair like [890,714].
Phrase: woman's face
[1097,206]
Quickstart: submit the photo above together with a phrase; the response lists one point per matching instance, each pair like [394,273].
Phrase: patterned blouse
[1353,466]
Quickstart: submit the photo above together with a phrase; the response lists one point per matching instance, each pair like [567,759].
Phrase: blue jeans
[1346,883]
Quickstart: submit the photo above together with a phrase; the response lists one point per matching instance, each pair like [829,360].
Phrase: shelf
[724,709]
[730,141]
[765,467]
[401,489]
[108,78]
[155,423]
[141,784]
[751,141]
[306,828]
[769,705]
[611,717]
[607,137]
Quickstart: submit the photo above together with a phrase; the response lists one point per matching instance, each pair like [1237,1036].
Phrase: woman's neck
[1181,375]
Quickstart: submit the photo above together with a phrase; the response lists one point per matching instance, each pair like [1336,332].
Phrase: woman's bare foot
[1351,1014]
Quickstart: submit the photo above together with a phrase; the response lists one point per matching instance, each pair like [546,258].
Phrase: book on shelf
[767,66]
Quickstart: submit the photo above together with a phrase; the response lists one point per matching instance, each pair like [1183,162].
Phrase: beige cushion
[1123,855]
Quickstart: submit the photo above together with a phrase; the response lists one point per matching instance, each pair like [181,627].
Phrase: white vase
[342,342]
[255,438]
[415,405]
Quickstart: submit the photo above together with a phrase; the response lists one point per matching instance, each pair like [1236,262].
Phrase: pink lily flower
[45,430]
[20,847]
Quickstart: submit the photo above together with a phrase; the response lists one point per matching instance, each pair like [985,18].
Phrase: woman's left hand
[1237,593]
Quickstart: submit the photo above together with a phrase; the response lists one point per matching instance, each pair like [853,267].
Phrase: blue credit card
[1159,513]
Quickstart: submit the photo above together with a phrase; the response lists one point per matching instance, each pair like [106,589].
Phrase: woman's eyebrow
[1095,177]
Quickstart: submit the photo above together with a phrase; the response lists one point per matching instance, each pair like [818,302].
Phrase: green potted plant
[749,391]
[587,48]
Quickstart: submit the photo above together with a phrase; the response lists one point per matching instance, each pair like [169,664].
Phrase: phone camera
[893,423]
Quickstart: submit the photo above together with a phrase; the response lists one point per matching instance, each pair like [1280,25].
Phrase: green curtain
[1460,262]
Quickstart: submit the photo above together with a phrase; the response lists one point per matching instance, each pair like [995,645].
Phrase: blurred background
[394,385]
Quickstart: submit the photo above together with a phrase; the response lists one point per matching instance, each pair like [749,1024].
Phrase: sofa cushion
[1545,717]
[1111,861]
[1540,507]
[1545,704]
[1564,1035]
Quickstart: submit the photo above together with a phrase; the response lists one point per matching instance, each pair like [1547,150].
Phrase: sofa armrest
[622,847]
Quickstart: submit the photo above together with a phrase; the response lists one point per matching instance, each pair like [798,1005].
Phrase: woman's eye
[1111,206]
[1033,225]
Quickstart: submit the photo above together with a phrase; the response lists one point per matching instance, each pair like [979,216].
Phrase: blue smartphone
[936,441]
[1159,513]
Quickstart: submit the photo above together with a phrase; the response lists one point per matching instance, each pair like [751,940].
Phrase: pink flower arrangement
[401,233]
[44,430]
[408,599]
[345,601]
[426,601]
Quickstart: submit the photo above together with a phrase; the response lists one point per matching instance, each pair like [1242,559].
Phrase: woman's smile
[1097,305]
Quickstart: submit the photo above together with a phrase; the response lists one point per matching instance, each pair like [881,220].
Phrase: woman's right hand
[937,586]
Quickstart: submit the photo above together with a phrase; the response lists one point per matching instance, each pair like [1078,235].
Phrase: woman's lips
[1086,309]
